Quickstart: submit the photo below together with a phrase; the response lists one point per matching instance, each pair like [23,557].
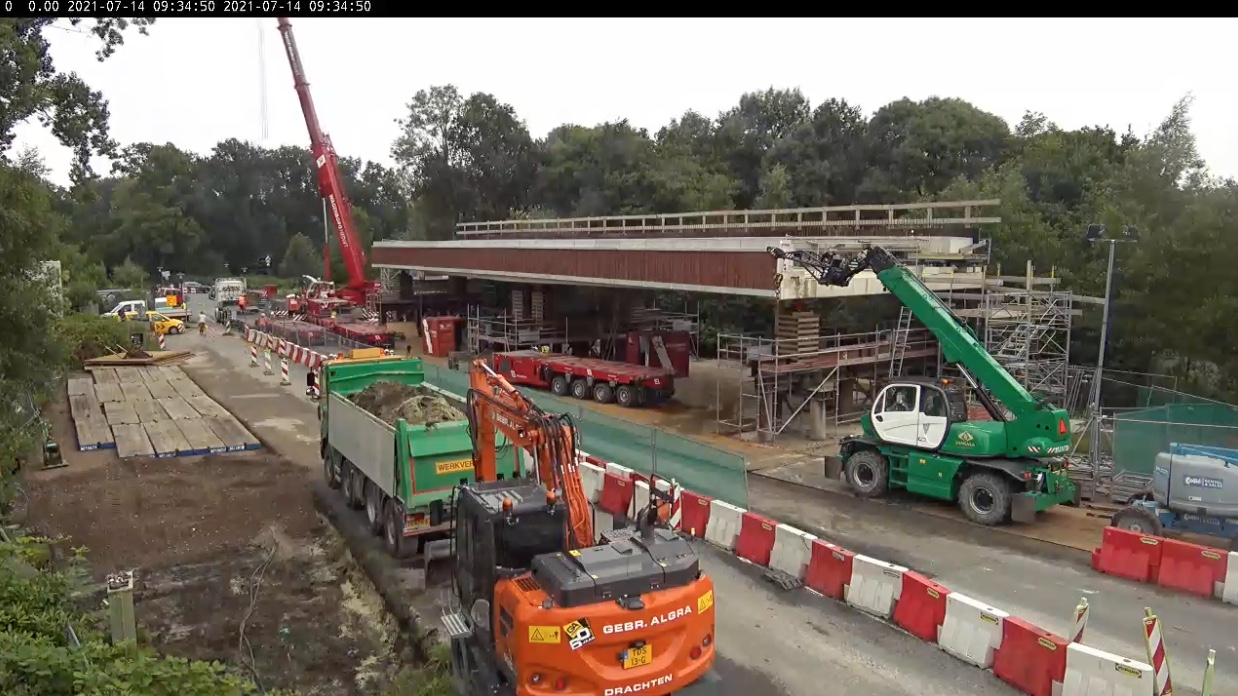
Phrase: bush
[87,336]
[431,679]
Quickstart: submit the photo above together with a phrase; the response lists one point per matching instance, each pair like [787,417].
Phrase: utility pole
[1096,234]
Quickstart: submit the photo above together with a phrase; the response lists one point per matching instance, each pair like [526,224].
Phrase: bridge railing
[827,221]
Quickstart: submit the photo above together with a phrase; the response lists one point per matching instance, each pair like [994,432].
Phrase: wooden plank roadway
[166,439]
[108,391]
[187,389]
[173,373]
[233,434]
[84,406]
[120,413]
[149,411]
[135,391]
[179,409]
[93,433]
[162,389]
[202,440]
[104,375]
[81,385]
[129,373]
[151,373]
[131,441]
[208,407]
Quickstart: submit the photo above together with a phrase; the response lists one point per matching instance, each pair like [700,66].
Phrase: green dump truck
[399,470]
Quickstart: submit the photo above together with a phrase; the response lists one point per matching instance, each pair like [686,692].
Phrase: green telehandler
[917,435]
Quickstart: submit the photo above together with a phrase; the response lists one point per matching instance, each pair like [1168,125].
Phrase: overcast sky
[196,82]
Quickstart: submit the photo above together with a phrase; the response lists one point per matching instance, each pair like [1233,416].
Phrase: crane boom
[330,180]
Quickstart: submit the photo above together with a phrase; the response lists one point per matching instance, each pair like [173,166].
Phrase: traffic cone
[266,362]
[283,372]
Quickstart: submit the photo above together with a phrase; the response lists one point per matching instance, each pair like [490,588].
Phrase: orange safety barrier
[756,538]
[1191,568]
[695,510]
[616,495]
[921,606]
[1030,659]
[829,569]
[1128,555]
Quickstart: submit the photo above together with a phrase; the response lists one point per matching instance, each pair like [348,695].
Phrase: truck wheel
[985,498]
[330,472]
[354,488]
[868,473]
[626,395]
[602,393]
[580,389]
[559,386]
[1140,521]
[374,507]
[397,545]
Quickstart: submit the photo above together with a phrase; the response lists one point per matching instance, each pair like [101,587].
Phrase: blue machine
[1194,489]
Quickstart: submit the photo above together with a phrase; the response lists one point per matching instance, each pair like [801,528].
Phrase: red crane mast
[330,182]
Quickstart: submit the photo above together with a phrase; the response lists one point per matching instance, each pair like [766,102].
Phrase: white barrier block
[1092,672]
[591,477]
[1230,593]
[792,551]
[875,585]
[972,630]
[640,498]
[619,470]
[724,523]
[602,521]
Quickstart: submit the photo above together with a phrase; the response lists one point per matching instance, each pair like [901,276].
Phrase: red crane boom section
[330,181]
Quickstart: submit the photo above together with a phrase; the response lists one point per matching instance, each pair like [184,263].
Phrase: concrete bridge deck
[654,254]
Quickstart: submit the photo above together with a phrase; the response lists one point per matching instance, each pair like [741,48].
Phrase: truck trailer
[401,473]
[604,381]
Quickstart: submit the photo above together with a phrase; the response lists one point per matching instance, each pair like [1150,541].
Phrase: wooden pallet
[120,413]
[149,411]
[234,436]
[201,439]
[162,389]
[108,391]
[81,385]
[179,409]
[131,441]
[166,439]
[135,391]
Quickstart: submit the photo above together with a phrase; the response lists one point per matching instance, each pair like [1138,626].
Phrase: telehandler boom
[917,435]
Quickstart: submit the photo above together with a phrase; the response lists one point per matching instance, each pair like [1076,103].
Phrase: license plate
[638,657]
[416,523]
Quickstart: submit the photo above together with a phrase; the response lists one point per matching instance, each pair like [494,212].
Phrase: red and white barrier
[972,630]
[921,607]
[591,477]
[792,551]
[1230,591]
[875,586]
[695,513]
[724,524]
[1030,658]
[1093,672]
[829,570]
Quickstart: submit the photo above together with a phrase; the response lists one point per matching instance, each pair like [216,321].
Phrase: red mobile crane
[330,187]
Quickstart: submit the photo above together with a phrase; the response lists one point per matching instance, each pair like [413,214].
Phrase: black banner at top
[193,8]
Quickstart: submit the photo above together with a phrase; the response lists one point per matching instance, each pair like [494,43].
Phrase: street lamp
[1096,234]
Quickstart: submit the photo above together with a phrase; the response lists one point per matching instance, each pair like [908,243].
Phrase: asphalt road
[770,642]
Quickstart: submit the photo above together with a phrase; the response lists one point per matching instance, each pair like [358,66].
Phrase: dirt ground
[232,562]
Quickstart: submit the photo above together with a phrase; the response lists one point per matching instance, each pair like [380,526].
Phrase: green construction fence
[1139,435]
[695,466]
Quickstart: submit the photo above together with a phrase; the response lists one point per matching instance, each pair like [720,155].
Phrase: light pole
[1096,235]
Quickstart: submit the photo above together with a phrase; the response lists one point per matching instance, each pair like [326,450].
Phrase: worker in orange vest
[240,302]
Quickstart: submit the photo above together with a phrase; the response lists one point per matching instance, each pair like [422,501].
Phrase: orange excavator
[547,610]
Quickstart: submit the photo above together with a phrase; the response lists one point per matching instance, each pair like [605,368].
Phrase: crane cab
[932,415]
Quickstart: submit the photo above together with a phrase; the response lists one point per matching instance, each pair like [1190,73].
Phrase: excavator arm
[495,406]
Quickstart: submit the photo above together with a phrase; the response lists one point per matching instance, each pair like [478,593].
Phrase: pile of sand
[392,401]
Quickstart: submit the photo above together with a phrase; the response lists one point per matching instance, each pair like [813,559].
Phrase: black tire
[330,472]
[985,498]
[602,393]
[868,473]
[580,389]
[374,507]
[398,545]
[627,396]
[354,487]
[559,386]
[1140,521]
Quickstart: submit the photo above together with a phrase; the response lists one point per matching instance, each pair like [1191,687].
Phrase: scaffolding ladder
[898,347]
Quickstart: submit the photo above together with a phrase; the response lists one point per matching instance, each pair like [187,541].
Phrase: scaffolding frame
[655,318]
[774,386]
[503,332]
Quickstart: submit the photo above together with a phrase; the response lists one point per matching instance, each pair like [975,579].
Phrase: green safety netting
[693,465]
[1139,435]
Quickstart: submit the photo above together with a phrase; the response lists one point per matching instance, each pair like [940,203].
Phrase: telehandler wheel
[602,393]
[330,472]
[559,386]
[985,498]
[868,473]
[374,507]
[580,389]
[1140,521]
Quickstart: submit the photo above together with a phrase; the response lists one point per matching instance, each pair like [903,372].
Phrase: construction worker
[202,323]
[240,302]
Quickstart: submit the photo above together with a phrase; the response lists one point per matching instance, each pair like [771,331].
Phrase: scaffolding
[779,379]
[503,331]
[661,320]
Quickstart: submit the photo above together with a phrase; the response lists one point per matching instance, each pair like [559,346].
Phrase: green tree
[131,276]
[299,258]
